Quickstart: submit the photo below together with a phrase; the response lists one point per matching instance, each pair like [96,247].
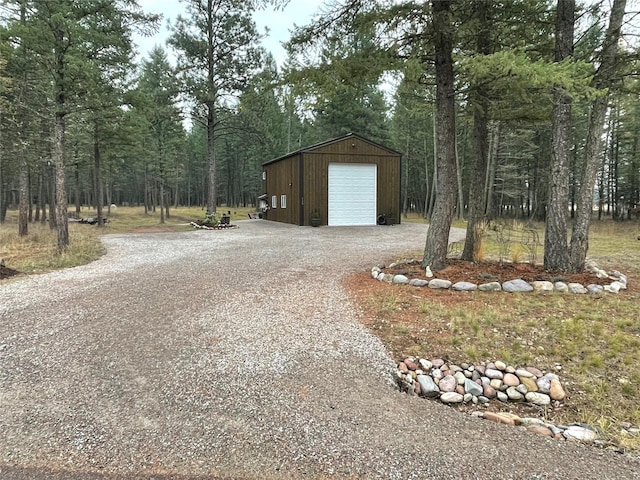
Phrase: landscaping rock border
[619,282]
[481,383]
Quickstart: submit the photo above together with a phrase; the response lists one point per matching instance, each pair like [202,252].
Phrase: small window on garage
[283,201]
[274,201]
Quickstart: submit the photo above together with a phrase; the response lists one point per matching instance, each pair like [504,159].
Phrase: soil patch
[6,272]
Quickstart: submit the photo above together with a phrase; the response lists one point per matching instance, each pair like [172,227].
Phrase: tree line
[521,109]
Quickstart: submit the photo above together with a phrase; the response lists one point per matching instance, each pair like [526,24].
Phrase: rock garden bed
[425,319]
[520,277]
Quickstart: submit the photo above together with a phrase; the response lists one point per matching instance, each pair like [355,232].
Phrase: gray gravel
[235,354]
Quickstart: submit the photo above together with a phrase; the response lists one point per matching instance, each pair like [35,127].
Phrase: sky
[299,12]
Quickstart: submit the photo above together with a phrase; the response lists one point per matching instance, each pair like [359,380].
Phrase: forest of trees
[519,109]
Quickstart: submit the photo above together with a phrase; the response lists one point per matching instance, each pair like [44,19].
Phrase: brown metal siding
[283,179]
[351,146]
[316,184]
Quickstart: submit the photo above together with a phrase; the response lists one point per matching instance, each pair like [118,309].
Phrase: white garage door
[352,193]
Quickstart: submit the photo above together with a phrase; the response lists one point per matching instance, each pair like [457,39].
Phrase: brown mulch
[493,271]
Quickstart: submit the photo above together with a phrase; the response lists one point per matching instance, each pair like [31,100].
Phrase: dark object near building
[93,220]
[385,220]
[315,221]
[348,180]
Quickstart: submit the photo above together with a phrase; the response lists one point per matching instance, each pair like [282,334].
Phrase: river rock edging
[618,283]
[457,385]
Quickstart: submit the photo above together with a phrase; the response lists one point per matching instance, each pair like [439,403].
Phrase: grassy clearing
[36,252]
[609,242]
[130,219]
[596,343]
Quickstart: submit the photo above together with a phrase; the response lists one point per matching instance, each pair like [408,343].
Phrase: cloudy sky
[299,12]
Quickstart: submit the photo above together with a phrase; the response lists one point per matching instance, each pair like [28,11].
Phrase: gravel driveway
[235,354]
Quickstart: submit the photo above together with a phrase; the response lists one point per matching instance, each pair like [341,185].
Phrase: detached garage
[345,181]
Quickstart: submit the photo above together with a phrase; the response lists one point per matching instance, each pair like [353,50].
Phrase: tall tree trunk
[161,202]
[436,246]
[23,180]
[556,253]
[601,193]
[477,202]
[616,169]
[36,217]
[460,192]
[57,154]
[109,190]
[62,225]
[603,80]
[97,173]
[634,191]
[427,194]
[42,191]
[405,181]
[146,191]
[490,176]
[211,160]
[154,195]
[51,193]
[480,107]
[434,178]
[77,188]
[212,197]
[176,186]
[542,169]
[23,209]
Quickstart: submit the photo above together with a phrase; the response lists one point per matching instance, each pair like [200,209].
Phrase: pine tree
[157,104]
[436,247]
[218,52]
[556,254]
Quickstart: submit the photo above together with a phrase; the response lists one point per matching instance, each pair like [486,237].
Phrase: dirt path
[234,354]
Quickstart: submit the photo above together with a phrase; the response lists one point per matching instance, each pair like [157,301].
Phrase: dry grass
[36,252]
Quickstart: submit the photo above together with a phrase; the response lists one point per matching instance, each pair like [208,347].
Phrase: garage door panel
[352,194]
